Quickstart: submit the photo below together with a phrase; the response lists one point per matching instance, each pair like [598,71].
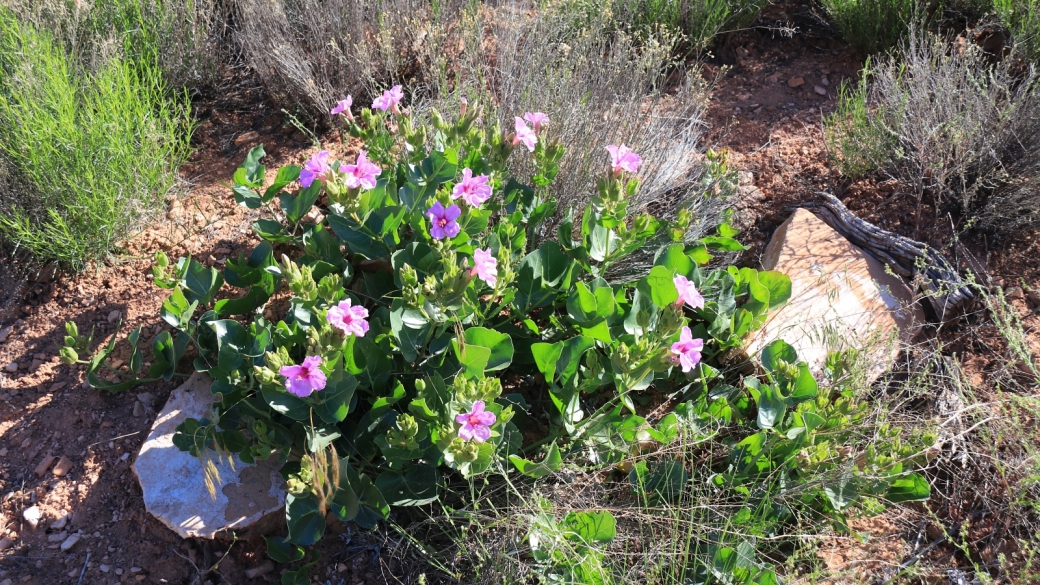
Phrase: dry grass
[950,125]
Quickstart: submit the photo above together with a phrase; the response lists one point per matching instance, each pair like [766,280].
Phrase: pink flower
[343,106]
[687,351]
[688,293]
[537,119]
[525,135]
[314,168]
[304,379]
[363,174]
[623,159]
[442,221]
[476,424]
[389,99]
[485,266]
[349,320]
[473,190]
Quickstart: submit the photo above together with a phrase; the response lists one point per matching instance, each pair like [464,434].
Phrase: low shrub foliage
[418,304]
[94,153]
[951,126]
[873,26]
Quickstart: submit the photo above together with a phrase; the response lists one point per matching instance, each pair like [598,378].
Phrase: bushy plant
[419,304]
[600,87]
[95,153]
[698,21]
[952,126]
[1022,19]
[181,38]
[873,26]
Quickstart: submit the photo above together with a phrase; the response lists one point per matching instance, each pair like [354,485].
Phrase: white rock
[32,516]
[173,482]
[70,542]
[12,367]
[105,568]
[840,298]
[58,537]
[60,522]
[114,316]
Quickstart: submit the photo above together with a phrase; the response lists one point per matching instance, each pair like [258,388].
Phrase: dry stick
[945,289]
[83,570]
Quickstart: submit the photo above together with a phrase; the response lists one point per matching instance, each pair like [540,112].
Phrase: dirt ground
[767,112]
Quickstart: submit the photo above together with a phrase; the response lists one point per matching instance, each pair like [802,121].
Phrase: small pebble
[63,467]
[6,543]
[60,522]
[114,316]
[105,568]
[12,367]
[32,516]
[135,569]
[5,333]
[57,537]
[819,90]
[70,542]
[119,571]
[795,82]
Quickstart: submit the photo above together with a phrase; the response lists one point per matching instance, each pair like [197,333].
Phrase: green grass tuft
[94,153]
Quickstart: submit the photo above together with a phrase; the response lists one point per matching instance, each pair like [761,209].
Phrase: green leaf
[591,527]
[335,398]
[582,304]
[723,243]
[674,257]
[281,550]
[271,231]
[771,407]
[473,358]
[662,286]
[499,344]
[297,206]
[546,355]
[286,175]
[779,286]
[251,172]
[551,463]
[304,518]
[416,486]
[246,305]
[804,388]
[909,488]
[778,350]
[200,283]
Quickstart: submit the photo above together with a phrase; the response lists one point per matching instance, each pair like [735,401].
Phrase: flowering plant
[427,277]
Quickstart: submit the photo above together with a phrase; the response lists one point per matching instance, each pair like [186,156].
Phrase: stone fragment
[247,138]
[147,399]
[12,367]
[796,82]
[1034,297]
[5,333]
[1015,293]
[6,543]
[57,537]
[138,409]
[60,522]
[819,90]
[32,516]
[262,569]
[243,493]
[840,298]
[104,568]
[44,465]
[26,442]
[63,467]
[114,316]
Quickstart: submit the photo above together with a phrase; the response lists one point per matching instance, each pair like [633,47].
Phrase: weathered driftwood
[926,268]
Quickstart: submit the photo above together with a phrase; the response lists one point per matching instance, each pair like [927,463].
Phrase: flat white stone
[174,482]
[840,298]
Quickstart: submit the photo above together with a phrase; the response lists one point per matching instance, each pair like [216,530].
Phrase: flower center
[442,222]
